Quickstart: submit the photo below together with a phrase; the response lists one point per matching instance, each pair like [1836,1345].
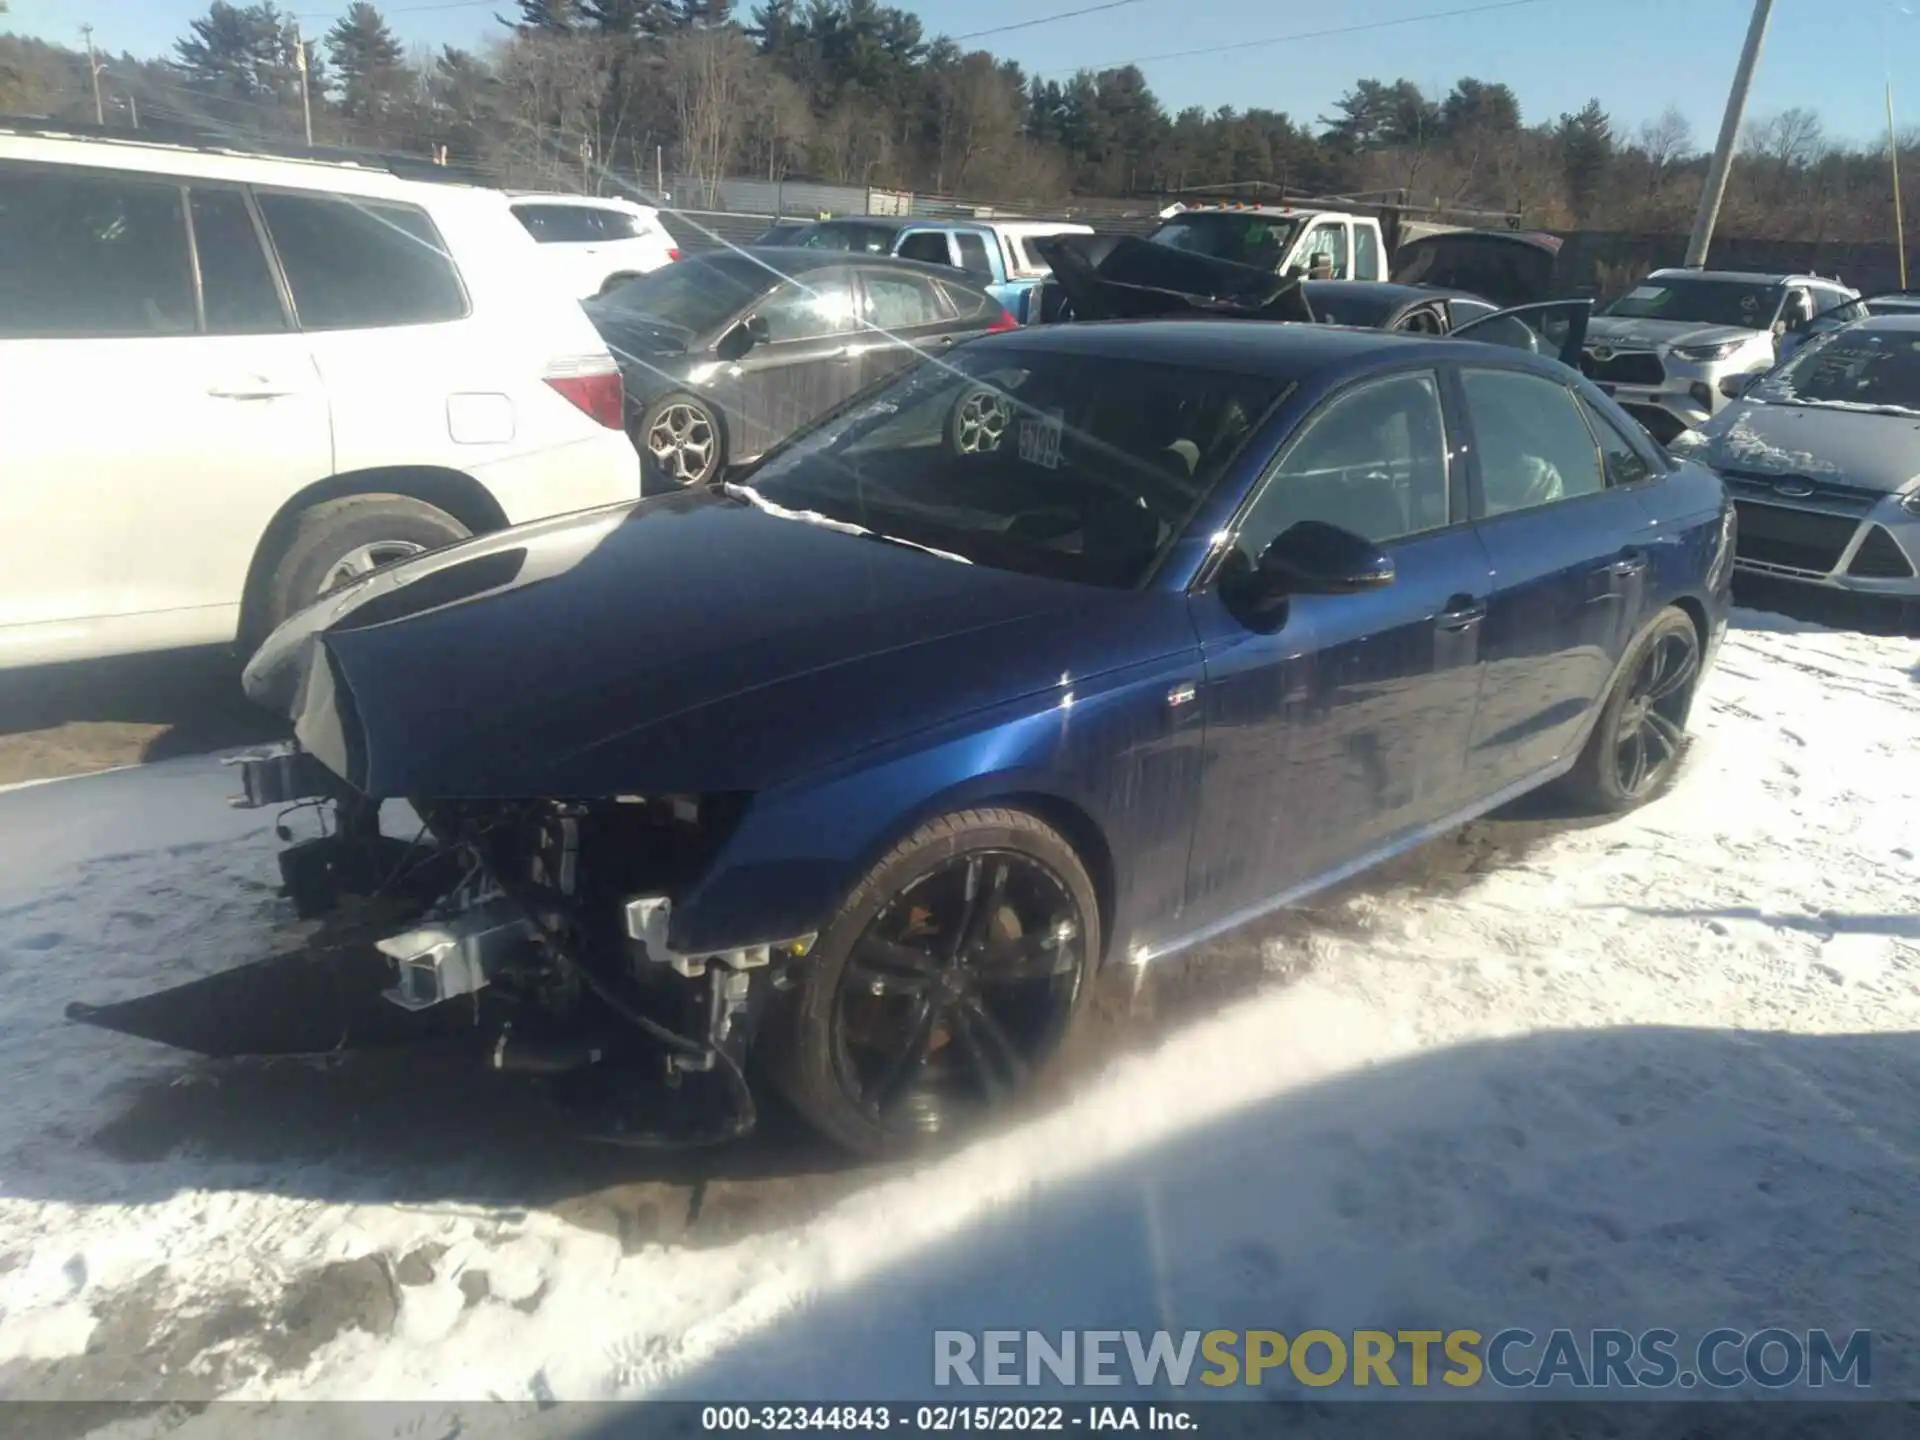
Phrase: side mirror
[1734,386]
[1313,558]
[741,338]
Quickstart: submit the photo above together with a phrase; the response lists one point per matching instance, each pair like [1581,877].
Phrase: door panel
[1342,722]
[811,360]
[1568,554]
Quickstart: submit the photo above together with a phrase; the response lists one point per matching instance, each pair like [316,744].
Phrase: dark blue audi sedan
[1073,647]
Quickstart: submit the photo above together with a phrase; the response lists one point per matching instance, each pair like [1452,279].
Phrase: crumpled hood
[1850,447]
[1655,334]
[686,643]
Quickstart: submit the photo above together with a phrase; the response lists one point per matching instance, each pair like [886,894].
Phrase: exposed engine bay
[542,923]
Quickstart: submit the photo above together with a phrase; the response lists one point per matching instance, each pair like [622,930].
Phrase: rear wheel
[680,442]
[336,542]
[943,986]
[1634,751]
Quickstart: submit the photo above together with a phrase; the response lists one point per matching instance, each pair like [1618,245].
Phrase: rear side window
[361,264]
[1366,253]
[901,302]
[973,254]
[235,279]
[1621,459]
[968,303]
[928,246]
[87,256]
[1535,448]
[575,224]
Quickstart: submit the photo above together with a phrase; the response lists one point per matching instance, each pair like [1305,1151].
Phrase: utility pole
[1899,220]
[133,108]
[1716,186]
[94,67]
[306,100]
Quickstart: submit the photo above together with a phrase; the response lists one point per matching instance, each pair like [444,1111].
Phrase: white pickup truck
[1286,239]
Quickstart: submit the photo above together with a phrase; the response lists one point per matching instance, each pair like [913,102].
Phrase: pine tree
[368,60]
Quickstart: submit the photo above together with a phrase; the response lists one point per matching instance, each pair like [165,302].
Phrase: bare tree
[709,74]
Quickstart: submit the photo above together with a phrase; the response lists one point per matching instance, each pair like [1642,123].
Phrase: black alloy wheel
[1640,736]
[944,987]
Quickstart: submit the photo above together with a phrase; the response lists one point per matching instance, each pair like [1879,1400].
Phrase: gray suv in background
[1663,349]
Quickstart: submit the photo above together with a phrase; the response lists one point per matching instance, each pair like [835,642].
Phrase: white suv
[592,244]
[233,381]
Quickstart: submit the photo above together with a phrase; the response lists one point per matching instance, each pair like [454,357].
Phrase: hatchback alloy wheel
[958,990]
[364,559]
[980,422]
[683,443]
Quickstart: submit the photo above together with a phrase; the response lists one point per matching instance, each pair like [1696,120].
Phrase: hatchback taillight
[673,254]
[1003,321]
[601,396]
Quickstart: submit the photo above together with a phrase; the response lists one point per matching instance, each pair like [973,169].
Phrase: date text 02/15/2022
[944,1419]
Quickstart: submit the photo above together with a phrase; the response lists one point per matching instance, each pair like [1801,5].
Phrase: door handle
[255,387]
[1460,612]
[1631,561]
[946,342]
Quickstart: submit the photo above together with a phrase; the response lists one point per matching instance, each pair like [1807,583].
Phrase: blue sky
[1636,56]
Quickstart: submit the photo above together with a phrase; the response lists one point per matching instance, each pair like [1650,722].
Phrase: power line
[1355,29]
[1046,19]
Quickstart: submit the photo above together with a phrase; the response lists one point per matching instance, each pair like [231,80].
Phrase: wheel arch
[453,491]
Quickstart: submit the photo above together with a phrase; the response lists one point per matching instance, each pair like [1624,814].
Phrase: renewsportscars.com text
[1514,1358]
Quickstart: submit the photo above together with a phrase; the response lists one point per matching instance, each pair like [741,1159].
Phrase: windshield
[1245,239]
[1066,465]
[1745,304]
[1863,366]
[695,297]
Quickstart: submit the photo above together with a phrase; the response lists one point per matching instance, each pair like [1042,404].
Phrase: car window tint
[973,253]
[235,279]
[1373,461]
[92,256]
[823,306]
[929,246]
[354,264]
[1366,253]
[1535,449]
[966,303]
[1622,460]
[1329,239]
[901,302]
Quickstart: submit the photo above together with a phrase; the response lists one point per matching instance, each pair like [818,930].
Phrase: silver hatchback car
[1822,456]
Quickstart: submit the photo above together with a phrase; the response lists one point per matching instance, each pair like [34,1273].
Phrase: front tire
[681,443]
[1634,752]
[942,988]
[338,541]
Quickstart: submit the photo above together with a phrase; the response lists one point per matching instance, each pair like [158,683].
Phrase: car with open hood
[1822,456]
[1075,647]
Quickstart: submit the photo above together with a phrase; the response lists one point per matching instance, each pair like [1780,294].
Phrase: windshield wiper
[813,517]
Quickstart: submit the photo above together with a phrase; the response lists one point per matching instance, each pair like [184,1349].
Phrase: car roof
[1251,347]
[1898,321]
[789,260]
[1745,277]
[592,202]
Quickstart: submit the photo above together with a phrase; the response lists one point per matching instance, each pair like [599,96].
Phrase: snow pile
[1660,1071]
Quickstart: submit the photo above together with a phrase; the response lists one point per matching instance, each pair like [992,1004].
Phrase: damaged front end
[547,925]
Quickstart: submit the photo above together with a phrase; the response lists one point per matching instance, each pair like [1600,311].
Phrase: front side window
[1326,248]
[86,256]
[236,282]
[1535,448]
[822,306]
[1373,461]
[361,264]
[1076,467]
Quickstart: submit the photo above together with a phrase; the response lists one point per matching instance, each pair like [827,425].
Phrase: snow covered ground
[1663,1071]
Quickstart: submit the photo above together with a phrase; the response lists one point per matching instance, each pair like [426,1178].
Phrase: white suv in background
[593,244]
[232,382]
